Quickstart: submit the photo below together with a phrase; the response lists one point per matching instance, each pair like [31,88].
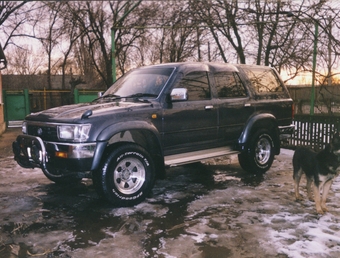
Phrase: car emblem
[39,131]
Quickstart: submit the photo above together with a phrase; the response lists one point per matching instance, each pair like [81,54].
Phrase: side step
[195,156]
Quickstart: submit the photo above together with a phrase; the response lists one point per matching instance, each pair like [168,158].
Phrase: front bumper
[61,158]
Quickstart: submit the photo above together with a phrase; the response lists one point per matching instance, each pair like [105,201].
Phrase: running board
[195,156]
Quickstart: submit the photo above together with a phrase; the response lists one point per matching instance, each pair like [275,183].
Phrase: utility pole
[198,45]
[329,79]
[312,98]
[315,51]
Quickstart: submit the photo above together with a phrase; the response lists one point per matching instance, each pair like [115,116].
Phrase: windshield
[146,82]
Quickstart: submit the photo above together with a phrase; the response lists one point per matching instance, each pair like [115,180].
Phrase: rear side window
[264,80]
[197,84]
[229,85]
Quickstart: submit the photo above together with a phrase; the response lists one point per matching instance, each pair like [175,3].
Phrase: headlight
[24,128]
[78,133]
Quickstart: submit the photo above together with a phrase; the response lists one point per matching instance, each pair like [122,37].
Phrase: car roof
[186,67]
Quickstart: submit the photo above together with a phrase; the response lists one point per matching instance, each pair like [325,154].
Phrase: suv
[158,116]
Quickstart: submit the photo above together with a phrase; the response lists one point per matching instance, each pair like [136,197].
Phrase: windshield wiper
[113,96]
[135,96]
[139,95]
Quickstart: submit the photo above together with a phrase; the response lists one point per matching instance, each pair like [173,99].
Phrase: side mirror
[179,94]
[100,94]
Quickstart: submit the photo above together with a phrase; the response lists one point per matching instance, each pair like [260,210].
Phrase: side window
[264,80]
[229,85]
[197,84]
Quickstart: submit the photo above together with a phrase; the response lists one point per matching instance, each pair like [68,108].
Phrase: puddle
[216,251]
[253,180]
[195,212]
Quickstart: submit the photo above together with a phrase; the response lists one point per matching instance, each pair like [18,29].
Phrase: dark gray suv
[158,116]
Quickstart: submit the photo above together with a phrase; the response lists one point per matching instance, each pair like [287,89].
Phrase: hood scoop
[86,114]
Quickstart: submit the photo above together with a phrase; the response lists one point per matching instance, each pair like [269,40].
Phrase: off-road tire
[126,176]
[259,155]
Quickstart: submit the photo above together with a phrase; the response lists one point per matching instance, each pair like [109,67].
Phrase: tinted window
[264,80]
[229,85]
[141,81]
[197,84]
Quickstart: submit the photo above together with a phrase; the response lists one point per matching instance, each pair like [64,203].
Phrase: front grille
[46,133]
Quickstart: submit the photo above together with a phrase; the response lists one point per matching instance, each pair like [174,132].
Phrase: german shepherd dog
[320,168]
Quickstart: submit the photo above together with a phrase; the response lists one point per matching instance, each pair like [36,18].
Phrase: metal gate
[17,106]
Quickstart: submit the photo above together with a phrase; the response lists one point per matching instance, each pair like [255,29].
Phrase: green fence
[82,96]
[18,104]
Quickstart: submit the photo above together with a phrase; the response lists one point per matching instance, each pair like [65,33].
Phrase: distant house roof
[3,61]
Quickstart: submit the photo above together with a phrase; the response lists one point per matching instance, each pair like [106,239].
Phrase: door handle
[208,107]
[247,105]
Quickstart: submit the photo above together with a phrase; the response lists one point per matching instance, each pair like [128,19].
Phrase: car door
[191,124]
[234,107]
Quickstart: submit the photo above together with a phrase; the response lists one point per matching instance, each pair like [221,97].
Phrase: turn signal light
[61,154]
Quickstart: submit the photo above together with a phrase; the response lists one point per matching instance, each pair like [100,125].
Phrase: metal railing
[314,131]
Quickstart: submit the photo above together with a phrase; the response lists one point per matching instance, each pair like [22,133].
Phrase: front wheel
[126,176]
[260,153]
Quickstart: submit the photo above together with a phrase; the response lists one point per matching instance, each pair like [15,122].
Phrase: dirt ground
[6,141]
[210,209]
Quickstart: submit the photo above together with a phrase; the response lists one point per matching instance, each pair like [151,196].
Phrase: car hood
[76,111]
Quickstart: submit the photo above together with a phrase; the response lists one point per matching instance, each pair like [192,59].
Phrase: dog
[320,168]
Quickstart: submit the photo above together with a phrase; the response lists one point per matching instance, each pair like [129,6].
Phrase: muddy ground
[210,209]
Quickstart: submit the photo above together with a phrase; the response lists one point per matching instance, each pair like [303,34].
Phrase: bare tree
[147,32]
[11,11]
[23,62]
[16,18]
[130,33]
[71,34]
[261,32]
[214,14]
[297,58]
[178,40]
[50,33]
[95,20]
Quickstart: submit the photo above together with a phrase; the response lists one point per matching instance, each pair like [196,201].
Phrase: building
[3,65]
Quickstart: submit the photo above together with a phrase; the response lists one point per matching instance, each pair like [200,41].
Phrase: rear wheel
[126,176]
[260,153]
